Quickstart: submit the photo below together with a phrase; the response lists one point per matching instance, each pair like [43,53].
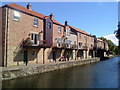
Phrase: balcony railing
[85,47]
[80,47]
[57,45]
[31,43]
[73,46]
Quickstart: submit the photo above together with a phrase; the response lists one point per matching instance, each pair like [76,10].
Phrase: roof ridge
[21,8]
[79,30]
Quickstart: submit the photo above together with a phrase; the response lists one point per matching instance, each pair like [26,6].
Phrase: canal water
[103,74]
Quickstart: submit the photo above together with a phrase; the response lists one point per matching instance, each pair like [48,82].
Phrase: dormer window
[35,23]
[16,16]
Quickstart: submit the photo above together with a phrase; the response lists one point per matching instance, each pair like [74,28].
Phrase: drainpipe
[6,37]
[2,41]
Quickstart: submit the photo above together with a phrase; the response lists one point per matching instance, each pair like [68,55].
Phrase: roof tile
[16,6]
[80,30]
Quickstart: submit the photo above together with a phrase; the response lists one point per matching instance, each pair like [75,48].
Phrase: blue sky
[97,18]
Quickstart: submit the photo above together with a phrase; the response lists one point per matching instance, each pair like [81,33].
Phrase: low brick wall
[23,71]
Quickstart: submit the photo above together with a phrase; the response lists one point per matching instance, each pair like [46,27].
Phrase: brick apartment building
[30,37]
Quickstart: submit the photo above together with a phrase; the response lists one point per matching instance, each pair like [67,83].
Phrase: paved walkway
[39,64]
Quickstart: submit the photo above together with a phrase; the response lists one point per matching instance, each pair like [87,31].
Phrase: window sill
[35,26]
[16,20]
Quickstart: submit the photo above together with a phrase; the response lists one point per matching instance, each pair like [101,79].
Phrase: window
[67,31]
[33,52]
[16,16]
[67,43]
[80,35]
[80,45]
[59,42]
[59,29]
[49,25]
[35,23]
[35,38]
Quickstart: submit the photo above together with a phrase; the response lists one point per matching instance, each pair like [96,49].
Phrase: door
[54,56]
[25,57]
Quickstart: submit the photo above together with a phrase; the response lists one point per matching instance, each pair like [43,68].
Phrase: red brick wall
[82,39]
[55,32]
[19,30]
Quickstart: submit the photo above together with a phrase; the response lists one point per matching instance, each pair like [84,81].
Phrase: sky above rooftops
[96,18]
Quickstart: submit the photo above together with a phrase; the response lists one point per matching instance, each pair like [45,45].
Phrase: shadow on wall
[54,54]
[22,54]
[80,54]
[26,55]
[70,54]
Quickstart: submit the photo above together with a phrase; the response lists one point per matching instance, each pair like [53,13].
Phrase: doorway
[54,56]
[25,57]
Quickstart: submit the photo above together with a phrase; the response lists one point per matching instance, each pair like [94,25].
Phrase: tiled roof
[56,22]
[23,9]
[100,40]
[80,30]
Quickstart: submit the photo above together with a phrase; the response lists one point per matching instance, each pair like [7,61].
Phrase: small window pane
[38,36]
[49,25]
[35,22]
[67,41]
[67,31]
[59,29]
[16,16]
[59,40]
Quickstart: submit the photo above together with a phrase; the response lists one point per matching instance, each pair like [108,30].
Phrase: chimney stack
[51,16]
[29,6]
[66,23]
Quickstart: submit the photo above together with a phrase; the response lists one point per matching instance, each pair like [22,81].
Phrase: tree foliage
[113,49]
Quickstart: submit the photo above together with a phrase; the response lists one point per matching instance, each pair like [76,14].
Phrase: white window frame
[59,29]
[33,39]
[67,31]
[16,14]
[35,22]
[59,42]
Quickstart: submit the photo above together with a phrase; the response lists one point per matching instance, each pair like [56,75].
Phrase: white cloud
[112,38]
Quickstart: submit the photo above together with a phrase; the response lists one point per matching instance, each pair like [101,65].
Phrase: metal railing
[84,47]
[73,46]
[29,42]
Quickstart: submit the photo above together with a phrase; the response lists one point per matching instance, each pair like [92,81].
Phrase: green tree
[117,34]
[113,49]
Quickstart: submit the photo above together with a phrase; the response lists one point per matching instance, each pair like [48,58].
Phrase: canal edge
[10,73]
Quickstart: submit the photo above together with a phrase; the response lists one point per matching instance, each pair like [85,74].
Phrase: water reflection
[103,74]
